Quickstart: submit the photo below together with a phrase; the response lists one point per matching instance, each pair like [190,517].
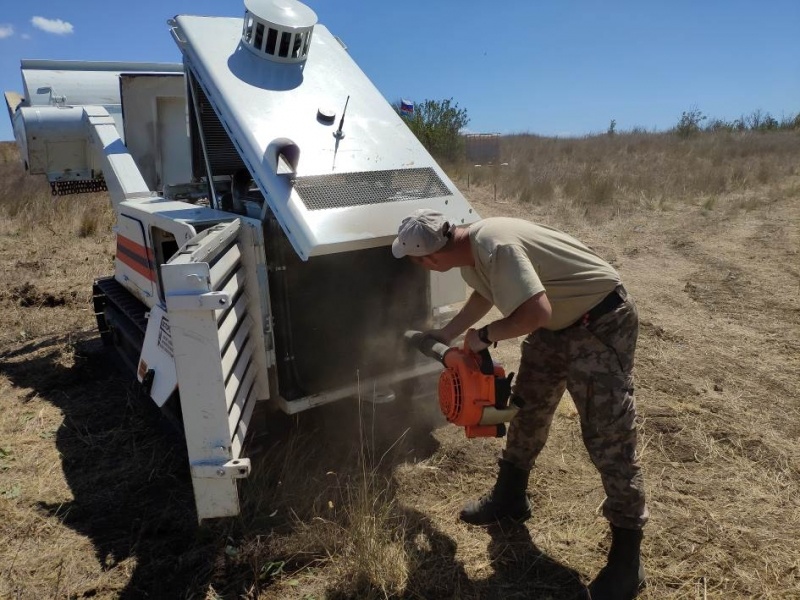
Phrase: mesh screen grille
[369,187]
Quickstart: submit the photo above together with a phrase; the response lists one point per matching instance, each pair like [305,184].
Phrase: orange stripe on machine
[132,246]
[137,257]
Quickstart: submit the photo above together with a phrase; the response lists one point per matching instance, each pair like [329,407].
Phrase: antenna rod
[341,121]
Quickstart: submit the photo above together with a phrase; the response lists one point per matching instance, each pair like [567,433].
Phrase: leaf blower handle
[487,364]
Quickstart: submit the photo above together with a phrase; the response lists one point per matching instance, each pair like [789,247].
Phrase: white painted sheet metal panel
[82,83]
[74,83]
[157,355]
[156,134]
[220,362]
[266,106]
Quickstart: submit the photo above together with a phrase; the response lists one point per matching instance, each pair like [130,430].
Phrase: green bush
[689,123]
[755,121]
[438,124]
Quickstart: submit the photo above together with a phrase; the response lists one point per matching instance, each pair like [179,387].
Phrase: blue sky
[551,67]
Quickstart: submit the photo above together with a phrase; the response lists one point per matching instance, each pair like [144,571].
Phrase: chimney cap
[286,13]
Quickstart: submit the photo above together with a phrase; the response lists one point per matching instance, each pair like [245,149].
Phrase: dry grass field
[360,501]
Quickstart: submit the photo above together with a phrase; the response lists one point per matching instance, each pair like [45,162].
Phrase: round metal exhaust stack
[278,30]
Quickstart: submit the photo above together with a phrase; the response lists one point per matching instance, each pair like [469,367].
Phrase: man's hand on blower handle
[529,316]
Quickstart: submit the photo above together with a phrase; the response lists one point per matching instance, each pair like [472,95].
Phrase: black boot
[507,500]
[623,575]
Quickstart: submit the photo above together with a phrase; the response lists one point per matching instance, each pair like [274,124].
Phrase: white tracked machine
[257,188]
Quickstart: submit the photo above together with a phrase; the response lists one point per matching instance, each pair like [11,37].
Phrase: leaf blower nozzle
[474,392]
[427,344]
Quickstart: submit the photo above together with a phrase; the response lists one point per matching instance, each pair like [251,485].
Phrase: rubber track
[116,294]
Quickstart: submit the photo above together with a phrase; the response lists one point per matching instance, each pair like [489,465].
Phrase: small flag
[406,107]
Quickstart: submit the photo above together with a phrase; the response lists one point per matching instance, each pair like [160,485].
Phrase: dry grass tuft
[325,490]
[27,205]
[602,176]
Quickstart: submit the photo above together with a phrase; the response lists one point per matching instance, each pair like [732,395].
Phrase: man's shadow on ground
[521,569]
[520,563]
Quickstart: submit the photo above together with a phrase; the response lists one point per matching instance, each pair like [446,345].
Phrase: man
[581,328]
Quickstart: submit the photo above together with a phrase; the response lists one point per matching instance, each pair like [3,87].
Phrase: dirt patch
[28,295]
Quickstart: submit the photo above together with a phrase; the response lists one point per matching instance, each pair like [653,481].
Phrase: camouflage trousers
[595,363]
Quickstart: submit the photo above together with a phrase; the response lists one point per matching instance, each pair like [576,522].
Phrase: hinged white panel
[212,293]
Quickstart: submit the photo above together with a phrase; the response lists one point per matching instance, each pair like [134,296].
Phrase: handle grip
[433,348]
[486,362]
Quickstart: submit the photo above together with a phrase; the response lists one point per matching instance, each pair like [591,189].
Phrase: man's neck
[462,247]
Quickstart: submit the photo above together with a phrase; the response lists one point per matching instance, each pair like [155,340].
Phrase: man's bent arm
[529,316]
[473,311]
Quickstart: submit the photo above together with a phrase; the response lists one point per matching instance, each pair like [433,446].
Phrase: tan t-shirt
[516,259]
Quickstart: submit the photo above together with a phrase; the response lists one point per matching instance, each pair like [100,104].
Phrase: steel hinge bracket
[238,468]
[206,301]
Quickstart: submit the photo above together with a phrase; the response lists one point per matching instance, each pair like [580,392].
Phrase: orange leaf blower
[474,392]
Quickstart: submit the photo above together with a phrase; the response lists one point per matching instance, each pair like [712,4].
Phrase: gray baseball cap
[421,233]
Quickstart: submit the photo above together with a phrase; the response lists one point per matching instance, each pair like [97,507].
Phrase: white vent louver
[279,30]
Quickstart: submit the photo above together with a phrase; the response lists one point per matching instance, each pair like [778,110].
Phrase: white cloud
[56,26]
[6,31]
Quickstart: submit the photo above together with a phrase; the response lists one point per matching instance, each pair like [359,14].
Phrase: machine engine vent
[223,157]
[278,30]
[320,192]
